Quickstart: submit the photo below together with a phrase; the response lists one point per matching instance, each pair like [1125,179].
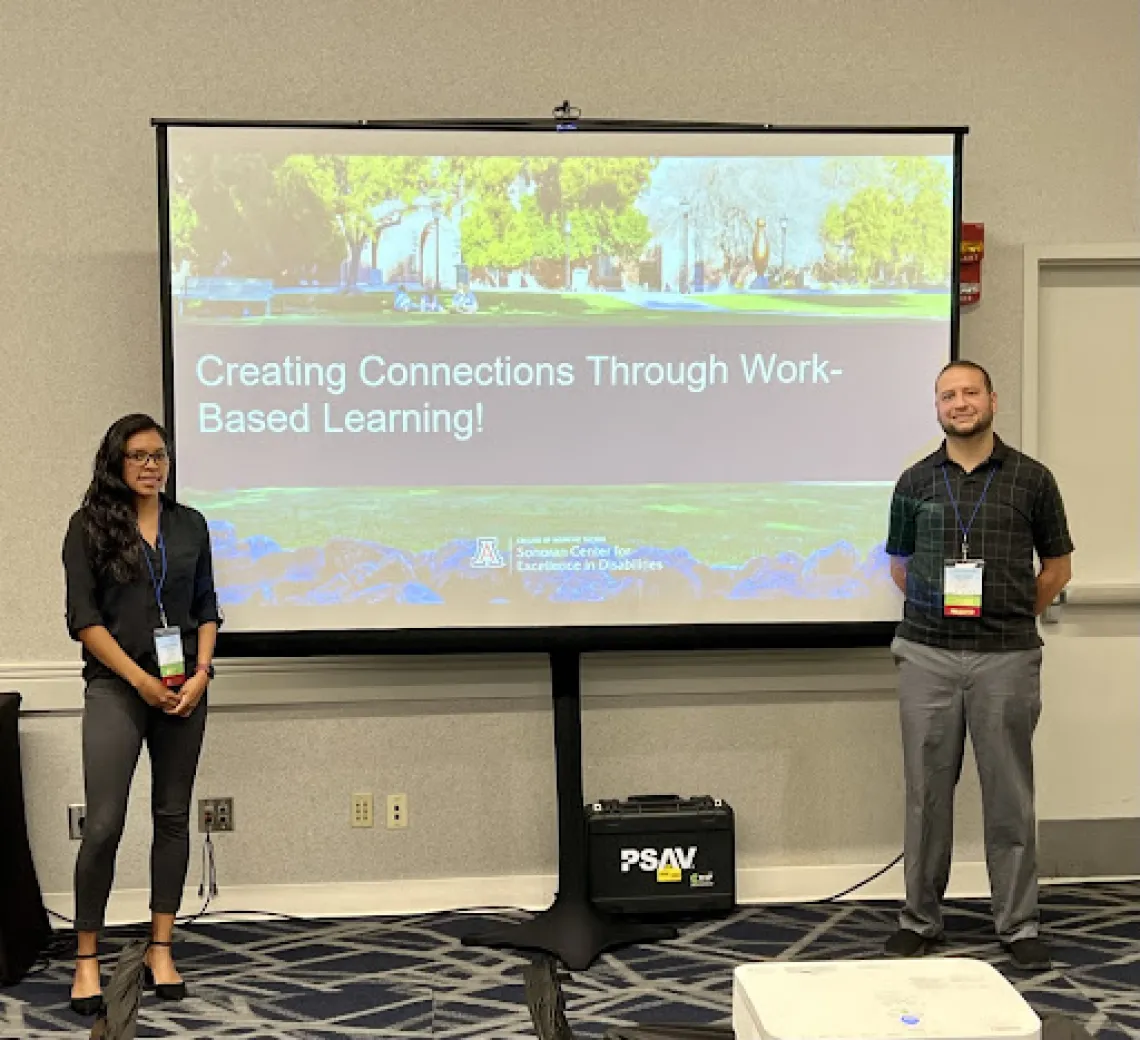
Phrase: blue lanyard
[965,528]
[157,583]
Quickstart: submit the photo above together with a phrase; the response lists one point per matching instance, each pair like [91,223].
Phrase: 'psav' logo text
[653,859]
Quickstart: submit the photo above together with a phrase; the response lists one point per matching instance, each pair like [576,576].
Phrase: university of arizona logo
[487,555]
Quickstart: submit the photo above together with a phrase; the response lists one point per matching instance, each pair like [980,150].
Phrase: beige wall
[1050,90]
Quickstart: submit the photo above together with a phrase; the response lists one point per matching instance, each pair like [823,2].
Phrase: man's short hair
[962,363]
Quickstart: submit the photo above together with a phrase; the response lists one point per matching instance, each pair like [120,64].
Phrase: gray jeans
[116,722]
[996,696]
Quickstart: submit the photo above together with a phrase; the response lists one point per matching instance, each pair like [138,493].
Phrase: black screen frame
[538,639]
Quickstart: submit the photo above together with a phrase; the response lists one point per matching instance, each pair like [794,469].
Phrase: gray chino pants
[996,696]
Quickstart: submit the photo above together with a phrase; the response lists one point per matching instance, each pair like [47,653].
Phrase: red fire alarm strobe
[970,253]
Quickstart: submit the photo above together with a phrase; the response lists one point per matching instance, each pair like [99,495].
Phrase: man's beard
[984,423]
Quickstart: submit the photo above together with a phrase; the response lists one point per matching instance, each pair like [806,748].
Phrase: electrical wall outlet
[215,814]
[397,812]
[362,810]
[76,818]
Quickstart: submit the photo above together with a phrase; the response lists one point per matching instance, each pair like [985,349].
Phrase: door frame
[1038,257]
[1110,254]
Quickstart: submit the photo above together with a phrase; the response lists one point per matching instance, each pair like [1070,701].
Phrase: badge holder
[171,659]
[962,588]
[962,579]
[167,639]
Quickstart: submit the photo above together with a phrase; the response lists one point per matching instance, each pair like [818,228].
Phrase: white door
[1082,419]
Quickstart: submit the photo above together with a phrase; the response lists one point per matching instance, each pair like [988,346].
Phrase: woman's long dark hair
[109,518]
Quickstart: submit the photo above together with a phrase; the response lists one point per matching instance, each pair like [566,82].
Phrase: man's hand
[898,572]
[1055,574]
[156,693]
[189,695]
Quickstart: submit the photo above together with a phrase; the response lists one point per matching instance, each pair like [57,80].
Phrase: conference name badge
[962,589]
[171,661]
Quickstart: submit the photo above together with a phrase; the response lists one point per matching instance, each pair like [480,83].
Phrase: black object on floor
[907,943]
[544,1000]
[662,854]
[24,925]
[1061,1027]
[572,929]
[119,1017]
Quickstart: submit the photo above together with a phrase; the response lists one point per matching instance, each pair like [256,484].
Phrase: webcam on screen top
[566,116]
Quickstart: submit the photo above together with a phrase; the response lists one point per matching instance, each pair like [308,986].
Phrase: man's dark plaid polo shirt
[1022,512]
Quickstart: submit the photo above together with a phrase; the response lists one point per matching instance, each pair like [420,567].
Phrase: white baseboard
[755,885]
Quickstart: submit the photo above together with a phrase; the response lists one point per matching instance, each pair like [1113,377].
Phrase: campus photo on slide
[448,379]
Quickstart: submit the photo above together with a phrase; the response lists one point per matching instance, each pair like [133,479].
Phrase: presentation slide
[457,379]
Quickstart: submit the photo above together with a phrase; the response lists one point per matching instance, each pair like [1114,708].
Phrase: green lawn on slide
[717,524]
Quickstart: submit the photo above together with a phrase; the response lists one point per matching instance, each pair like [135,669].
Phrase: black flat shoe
[87,1007]
[162,990]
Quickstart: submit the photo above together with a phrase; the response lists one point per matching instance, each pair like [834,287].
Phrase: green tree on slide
[250,215]
[231,215]
[547,209]
[873,221]
[500,236]
[183,222]
[924,188]
[362,194]
[895,223]
[221,214]
[594,197]
[497,229]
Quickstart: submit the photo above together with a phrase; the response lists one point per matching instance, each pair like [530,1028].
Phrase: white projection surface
[454,379]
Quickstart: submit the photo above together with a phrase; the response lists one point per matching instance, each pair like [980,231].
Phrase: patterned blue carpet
[411,978]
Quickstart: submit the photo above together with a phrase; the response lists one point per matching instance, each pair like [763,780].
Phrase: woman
[141,600]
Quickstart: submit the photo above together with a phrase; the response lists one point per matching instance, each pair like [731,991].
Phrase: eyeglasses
[141,458]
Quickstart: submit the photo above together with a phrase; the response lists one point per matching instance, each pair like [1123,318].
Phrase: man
[965,523]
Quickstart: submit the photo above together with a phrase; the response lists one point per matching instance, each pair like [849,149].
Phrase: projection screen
[473,379]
